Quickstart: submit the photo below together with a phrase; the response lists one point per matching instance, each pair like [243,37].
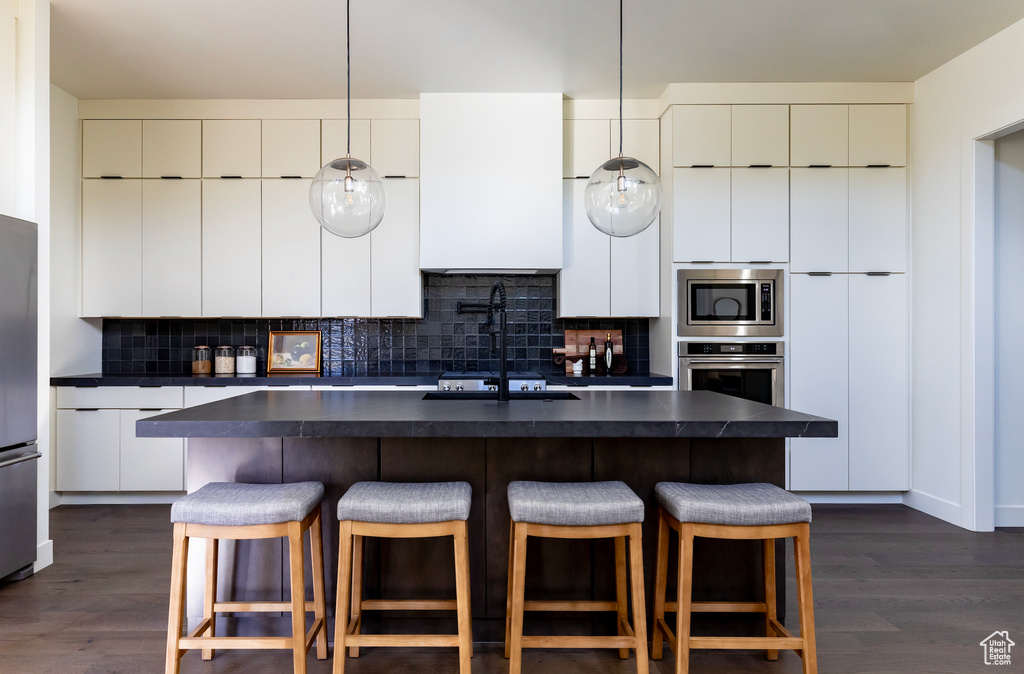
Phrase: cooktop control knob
[459,387]
[524,387]
[446,387]
[492,387]
[537,387]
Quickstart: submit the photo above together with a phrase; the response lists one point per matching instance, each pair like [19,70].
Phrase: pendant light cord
[620,78]
[348,76]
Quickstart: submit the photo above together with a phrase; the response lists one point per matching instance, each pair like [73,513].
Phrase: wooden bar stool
[736,511]
[401,510]
[228,510]
[576,510]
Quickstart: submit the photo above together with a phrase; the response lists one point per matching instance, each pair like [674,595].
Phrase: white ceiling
[296,48]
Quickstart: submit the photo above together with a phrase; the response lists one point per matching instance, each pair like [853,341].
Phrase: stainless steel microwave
[730,302]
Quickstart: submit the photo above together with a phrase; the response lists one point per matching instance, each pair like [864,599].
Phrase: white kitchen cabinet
[634,273]
[879,383]
[291,250]
[819,135]
[878,219]
[232,248]
[702,215]
[878,135]
[395,147]
[395,280]
[334,140]
[88,450]
[641,139]
[172,148]
[760,215]
[149,464]
[701,135]
[111,248]
[290,148]
[232,148]
[819,218]
[760,135]
[111,148]
[345,274]
[171,248]
[200,395]
[587,146]
[819,383]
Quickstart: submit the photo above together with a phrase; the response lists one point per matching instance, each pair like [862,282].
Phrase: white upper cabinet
[586,146]
[819,219]
[172,148]
[701,135]
[395,279]
[878,219]
[760,215]
[232,148]
[634,273]
[345,274]
[878,135]
[395,147]
[760,135]
[112,248]
[291,148]
[641,139]
[819,135]
[111,148]
[586,270]
[702,215]
[232,248]
[171,248]
[291,250]
[334,140]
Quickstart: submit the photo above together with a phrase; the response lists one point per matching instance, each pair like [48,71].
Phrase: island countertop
[623,414]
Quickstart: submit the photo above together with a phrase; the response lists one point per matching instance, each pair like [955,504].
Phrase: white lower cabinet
[88,450]
[149,464]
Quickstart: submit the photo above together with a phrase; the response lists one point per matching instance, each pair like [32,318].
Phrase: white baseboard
[118,498]
[852,498]
[935,506]
[1010,516]
[44,556]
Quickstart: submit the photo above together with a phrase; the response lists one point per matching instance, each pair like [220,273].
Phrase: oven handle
[745,361]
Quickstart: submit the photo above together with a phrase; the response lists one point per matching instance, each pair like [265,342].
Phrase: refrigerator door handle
[19,459]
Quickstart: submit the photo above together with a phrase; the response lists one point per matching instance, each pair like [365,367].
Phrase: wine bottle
[608,346]
[593,356]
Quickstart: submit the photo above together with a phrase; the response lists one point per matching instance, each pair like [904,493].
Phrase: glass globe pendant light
[347,196]
[623,195]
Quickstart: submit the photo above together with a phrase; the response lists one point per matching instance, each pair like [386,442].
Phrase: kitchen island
[341,437]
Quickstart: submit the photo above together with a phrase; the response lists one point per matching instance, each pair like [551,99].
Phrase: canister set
[224,360]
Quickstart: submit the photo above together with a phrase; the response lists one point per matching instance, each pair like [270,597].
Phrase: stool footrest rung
[719,607]
[751,643]
[231,643]
[570,606]
[257,606]
[408,605]
[578,642]
[422,640]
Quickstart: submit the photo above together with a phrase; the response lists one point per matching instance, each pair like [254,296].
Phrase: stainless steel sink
[493,395]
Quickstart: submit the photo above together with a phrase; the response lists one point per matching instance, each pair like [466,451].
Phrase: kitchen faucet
[502,331]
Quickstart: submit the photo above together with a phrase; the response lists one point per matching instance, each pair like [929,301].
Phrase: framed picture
[294,352]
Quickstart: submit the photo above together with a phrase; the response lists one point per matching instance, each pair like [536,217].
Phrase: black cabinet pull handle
[760,166]
[879,165]
[701,166]
[819,166]
[232,177]
[170,177]
[879,273]
[819,273]
[112,177]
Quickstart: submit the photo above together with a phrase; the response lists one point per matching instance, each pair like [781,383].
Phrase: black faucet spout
[499,288]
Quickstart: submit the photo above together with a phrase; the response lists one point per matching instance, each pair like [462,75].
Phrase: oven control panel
[730,348]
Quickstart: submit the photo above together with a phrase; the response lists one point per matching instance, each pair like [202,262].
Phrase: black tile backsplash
[442,340]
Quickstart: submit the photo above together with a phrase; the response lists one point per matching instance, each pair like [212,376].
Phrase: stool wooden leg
[770,602]
[356,616]
[621,585]
[298,598]
[316,551]
[636,560]
[176,614]
[660,586]
[518,596]
[461,536]
[685,583]
[805,597]
[508,594]
[210,591]
[344,588]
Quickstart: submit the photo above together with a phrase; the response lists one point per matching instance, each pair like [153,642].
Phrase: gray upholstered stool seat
[755,504]
[574,504]
[232,504]
[406,502]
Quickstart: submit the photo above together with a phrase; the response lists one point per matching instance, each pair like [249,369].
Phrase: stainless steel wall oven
[750,370]
[730,302]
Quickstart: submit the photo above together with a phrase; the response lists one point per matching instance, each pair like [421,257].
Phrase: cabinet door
[111,147]
[819,135]
[878,135]
[172,248]
[395,279]
[395,147]
[701,135]
[701,215]
[879,375]
[291,148]
[760,215]
[641,139]
[88,454]
[587,146]
[634,273]
[818,219]
[232,248]
[819,378]
[291,250]
[345,274]
[585,279]
[760,135]
[172,148]
[111,247]
[334,140]
[149,464]
[878,219]
[231,148]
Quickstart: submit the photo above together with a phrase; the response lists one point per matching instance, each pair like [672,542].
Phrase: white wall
[963,99]
[1009,330]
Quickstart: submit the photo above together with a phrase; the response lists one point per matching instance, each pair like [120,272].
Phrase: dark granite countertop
[652,414]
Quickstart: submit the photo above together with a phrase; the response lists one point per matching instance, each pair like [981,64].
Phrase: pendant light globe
[347,198]
[622,197]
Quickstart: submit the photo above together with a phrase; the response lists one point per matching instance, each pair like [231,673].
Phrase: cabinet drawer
[199,395]
[132,397]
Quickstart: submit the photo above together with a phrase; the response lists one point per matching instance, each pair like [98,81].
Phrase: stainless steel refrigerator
[18,450]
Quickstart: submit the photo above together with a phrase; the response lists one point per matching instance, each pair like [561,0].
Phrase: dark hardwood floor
[894,590]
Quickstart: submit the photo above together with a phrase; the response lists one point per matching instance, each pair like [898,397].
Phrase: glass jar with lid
[245,360]
[201,363]
[224,360]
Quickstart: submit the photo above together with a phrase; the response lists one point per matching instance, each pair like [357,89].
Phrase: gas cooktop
[489,380]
